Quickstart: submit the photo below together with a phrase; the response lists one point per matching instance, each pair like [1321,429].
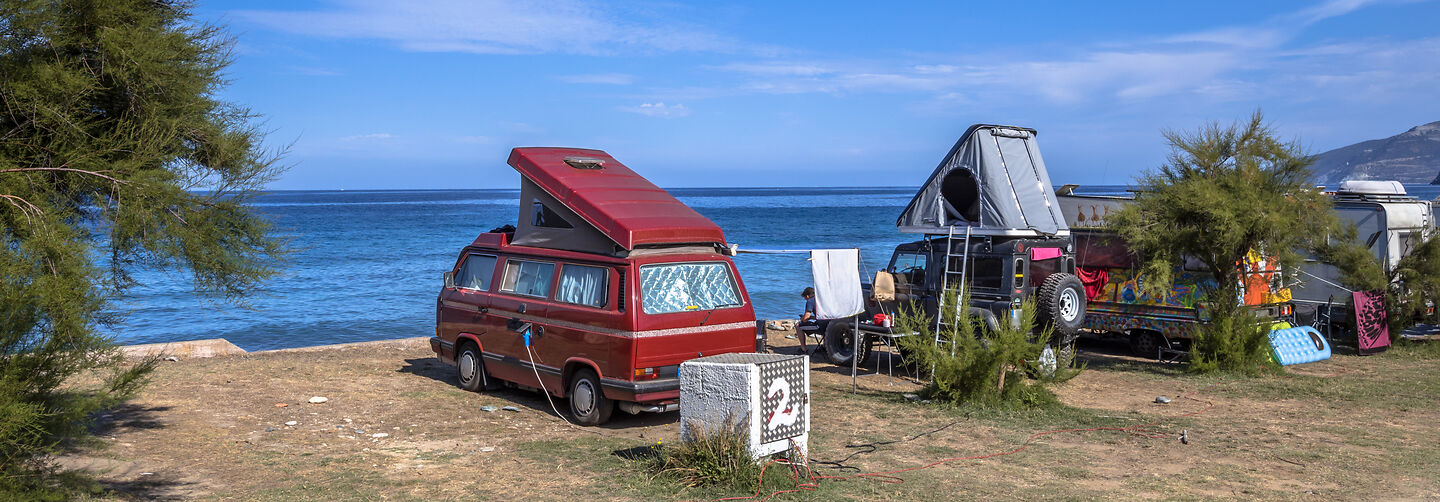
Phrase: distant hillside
[1409,157]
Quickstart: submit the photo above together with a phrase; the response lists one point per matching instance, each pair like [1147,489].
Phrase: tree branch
[65,169]
[26,209]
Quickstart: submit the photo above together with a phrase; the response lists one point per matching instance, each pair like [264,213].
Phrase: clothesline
[1322,279]
[782,251]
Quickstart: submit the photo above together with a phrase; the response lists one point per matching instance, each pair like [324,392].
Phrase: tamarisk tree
[1224,192]
[115,155]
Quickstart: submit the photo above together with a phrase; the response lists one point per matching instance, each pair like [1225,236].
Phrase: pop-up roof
[585,200]
[993,181]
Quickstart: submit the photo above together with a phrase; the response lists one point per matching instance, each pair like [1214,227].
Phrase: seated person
[806,319]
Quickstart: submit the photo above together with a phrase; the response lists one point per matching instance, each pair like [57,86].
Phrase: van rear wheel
[588,403]
[1146,344]
[840,346]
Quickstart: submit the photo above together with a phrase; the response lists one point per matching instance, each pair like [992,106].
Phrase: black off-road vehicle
[992,224]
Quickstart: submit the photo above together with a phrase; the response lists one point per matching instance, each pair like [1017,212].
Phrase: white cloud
[367,138]
[488,27]
[315,72]
[475,140]
[1272,32]
[658,109]
[1222,64]
[1327,10]
[1127,75]
[776,68]
[935,68]
[599,78]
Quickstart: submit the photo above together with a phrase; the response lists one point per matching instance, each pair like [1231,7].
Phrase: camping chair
[1167,353]
[812,331]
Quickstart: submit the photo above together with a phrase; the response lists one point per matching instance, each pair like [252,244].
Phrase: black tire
[588,404]
[1145,344]
[839,347]
[1061,301]
[470,369]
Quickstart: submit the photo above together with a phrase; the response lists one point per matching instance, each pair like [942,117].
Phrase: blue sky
[380,94]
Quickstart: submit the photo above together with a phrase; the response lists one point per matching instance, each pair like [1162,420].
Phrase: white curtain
[837,283]
[582,285]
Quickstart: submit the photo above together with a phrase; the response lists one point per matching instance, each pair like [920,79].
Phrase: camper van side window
[542,216]
[680,287]
[529,278]
[583,285]
[476,272]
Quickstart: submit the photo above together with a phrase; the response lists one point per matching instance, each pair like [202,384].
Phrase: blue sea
[367,265]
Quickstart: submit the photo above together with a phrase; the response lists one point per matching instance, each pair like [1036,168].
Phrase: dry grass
[1350,428]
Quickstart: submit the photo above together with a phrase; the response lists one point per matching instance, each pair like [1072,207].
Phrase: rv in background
[1390,223]
[1117,303]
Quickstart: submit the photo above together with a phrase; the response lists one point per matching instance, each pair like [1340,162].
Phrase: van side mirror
[450,279]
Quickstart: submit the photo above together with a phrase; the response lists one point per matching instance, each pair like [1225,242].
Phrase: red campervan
[608,280]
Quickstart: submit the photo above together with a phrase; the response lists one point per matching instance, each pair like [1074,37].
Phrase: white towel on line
[837,283]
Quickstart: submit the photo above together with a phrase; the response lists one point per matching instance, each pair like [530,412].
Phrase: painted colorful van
[1117,301]
[604,287]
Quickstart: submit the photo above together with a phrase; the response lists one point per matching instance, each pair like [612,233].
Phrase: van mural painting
[1189,287]
[1129,287]
[1372,329]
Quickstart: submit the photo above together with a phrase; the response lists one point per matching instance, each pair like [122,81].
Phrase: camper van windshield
[678,287]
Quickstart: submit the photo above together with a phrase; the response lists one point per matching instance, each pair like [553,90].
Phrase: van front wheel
[470,368]
[588,403]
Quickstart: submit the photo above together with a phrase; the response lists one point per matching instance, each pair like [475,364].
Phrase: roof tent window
[962,195]
[542,216]
[585,163]
[529,278]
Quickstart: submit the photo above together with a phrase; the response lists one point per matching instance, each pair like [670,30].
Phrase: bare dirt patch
[395,426]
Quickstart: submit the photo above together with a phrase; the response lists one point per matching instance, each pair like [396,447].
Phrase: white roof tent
[992,181]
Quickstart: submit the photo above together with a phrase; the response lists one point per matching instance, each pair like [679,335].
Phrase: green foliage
[114,154]
[1359,269]
[1417,280]
[718,457]
[1410,288]
[1223,192]
[989,370]
[1235,340]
